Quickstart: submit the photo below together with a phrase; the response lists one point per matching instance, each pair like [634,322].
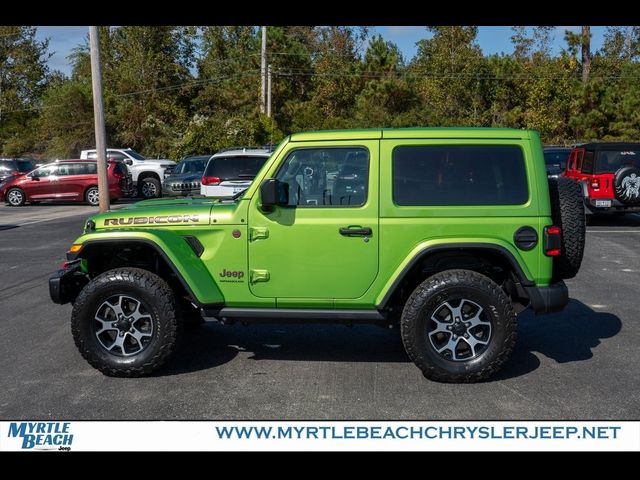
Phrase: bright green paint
[296,256]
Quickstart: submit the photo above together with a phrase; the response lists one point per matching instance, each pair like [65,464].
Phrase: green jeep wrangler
[446,233]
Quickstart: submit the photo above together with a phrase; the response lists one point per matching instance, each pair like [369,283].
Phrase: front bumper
[65,284]
[548,299]
[180,189]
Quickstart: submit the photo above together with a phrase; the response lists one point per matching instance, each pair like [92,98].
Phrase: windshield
[192,165]
[611,160]
[235,168]
[557,158]
[24,166]
[134,154]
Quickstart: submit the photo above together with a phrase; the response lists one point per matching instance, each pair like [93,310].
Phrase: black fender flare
[156,248]
[472,246]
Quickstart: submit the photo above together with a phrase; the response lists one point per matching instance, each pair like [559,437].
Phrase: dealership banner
[63,436]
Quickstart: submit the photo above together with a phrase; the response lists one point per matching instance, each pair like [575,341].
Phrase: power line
[149,90]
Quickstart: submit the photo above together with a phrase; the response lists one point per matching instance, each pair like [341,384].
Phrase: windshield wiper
[235,196]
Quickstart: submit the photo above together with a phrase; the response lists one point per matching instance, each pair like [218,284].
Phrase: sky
[492,40]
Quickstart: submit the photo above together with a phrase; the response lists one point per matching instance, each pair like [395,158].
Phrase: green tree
[388,98]
[455,74]
[23,78]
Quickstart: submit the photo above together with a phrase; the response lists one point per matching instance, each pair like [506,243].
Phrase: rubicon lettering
[42,435]
[160,219]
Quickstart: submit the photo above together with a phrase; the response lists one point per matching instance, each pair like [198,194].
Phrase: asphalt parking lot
[579,364]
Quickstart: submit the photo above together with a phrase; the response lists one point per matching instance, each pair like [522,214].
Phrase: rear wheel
[92,196]
[124,322]
[149,188]
[458,326]
[15,197]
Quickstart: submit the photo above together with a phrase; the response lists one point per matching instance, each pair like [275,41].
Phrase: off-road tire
[139,284]
[567,211]
[150,180]
[627,173]
[15,191]
[447,286]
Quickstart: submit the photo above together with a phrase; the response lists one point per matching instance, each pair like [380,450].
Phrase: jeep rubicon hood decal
[158,219]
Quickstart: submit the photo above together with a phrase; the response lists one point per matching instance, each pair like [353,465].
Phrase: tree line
[172,91]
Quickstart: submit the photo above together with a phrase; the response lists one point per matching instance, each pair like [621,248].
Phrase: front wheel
[458,326]
[150,188]
[16,197]
[124,322]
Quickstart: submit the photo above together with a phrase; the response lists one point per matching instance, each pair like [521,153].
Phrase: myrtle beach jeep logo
[42,435]
[160,219]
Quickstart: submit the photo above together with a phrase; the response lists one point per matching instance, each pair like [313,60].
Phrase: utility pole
[586,53]
[98,117]
[269,91]
[263,70]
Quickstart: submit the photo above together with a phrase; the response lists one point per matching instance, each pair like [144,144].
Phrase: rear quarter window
[459,175]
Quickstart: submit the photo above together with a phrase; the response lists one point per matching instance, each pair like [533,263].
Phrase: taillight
[210,181]
[552,241]
[595,183]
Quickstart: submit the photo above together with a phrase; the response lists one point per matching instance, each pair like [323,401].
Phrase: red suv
[609,174]
[69,180]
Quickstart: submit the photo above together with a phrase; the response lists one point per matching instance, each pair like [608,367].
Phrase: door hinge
[256,276]
[256,233]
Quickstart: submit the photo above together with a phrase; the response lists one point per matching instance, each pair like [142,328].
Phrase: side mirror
[128,161]
[35,179]
[274,192]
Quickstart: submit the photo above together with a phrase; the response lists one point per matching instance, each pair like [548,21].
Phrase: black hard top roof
[598,146]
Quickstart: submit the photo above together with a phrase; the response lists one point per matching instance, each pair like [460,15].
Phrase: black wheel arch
[438,254]
[148,174]
[151,258]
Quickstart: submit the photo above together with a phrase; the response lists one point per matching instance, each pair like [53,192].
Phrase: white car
[231,171]
[147,174]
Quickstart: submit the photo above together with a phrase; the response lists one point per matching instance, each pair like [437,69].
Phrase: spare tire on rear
[567,211]
[626,182]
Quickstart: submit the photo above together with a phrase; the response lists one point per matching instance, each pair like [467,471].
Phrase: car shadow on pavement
[568,336]
[213,344]
[629,220]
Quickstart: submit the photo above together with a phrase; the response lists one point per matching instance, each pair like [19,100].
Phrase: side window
[116,155]
[459,175]
[46,171]
[587,162]
[73,169]
[92,155]
[326,177]
[579,155]
[64,169]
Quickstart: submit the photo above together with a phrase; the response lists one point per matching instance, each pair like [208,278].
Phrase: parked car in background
[185,178]
[69,180]
[555,158]
[609,173]
[10,167]
[147,174]
[232,170]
